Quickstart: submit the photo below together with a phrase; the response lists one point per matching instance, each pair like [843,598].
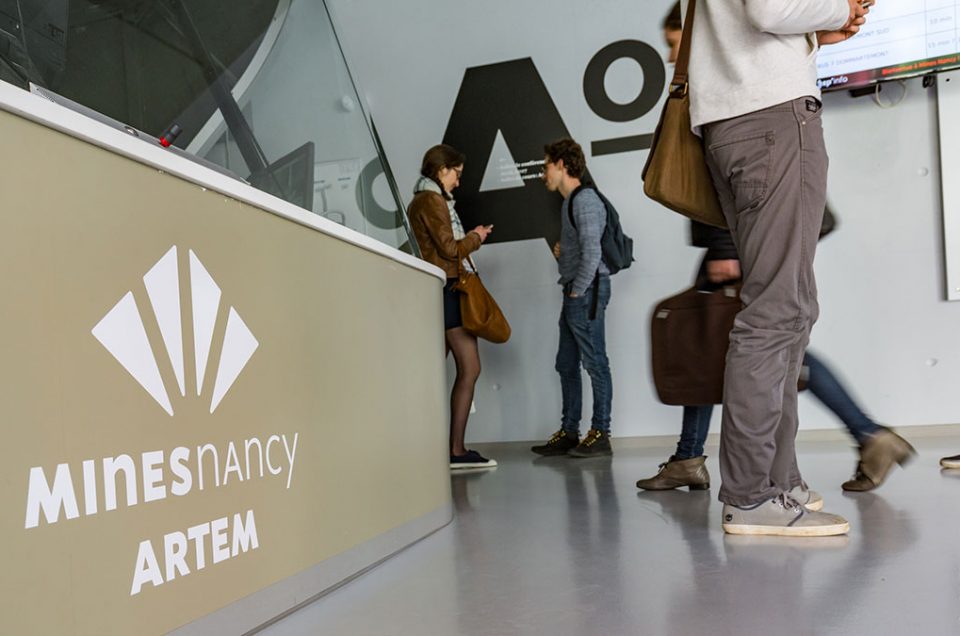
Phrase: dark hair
[438,157]
[570,152]
[673,21]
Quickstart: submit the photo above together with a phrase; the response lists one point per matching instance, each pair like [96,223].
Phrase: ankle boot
[675,473]
[877,457]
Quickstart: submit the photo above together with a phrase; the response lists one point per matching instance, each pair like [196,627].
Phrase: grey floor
[560,547]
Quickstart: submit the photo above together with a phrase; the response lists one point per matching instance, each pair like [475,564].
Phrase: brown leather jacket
[430,221]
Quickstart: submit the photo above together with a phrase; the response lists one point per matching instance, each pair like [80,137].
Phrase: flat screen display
[902,38]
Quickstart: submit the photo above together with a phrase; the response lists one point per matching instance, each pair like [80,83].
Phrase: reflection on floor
[558,546]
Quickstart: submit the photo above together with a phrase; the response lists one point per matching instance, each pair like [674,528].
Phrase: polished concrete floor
[557,546]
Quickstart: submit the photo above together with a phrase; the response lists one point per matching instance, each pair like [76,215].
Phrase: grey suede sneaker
[809,499]
[782,516]
[951,462]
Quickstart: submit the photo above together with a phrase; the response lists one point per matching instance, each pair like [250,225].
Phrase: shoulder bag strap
[678,87]
[472,264]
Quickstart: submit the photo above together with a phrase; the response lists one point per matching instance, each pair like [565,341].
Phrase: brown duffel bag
[690,334]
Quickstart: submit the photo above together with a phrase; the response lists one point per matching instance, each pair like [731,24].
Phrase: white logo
[122,332]
[502,172]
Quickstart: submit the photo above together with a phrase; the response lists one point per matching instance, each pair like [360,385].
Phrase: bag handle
[461,270]
[679,85]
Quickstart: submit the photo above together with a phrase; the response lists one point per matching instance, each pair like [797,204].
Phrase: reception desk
[216,405]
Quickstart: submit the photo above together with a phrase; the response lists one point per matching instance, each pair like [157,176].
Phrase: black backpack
[616,247]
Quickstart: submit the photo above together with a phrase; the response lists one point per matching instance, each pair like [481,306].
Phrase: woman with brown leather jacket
[443,243]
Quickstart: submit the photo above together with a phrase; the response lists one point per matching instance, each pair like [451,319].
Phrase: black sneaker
[594,444]
[471,459]
[558,444]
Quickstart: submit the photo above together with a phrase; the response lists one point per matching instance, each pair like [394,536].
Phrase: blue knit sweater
[580,253]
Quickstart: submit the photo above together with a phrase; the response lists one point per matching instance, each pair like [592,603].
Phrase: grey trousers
[770,170]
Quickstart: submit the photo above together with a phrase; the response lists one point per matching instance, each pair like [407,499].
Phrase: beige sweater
[751,54]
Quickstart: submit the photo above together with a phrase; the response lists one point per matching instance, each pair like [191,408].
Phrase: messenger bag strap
[678,87]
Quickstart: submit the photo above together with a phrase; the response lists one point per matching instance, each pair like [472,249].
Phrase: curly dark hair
[570,152]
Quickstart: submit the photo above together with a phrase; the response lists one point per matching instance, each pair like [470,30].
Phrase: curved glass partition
[263,92]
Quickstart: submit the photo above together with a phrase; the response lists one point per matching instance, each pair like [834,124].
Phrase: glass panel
[264,92]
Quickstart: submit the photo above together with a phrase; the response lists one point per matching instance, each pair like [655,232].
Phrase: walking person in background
[439,233]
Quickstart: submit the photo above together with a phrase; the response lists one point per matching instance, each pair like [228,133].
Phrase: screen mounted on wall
[902,38]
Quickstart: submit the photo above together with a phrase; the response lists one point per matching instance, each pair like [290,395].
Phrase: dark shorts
[451,306]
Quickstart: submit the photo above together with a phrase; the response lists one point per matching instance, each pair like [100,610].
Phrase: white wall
[883,323]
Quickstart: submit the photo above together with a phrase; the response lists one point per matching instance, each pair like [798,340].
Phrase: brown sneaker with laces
[558,444]
[594,444]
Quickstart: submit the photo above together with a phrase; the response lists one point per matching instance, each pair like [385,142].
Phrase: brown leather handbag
[479,312]
[690,335]
[676,173]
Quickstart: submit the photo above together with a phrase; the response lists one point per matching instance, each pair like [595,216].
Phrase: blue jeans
[696,425]
[583,340]
[831,393]
[821,382]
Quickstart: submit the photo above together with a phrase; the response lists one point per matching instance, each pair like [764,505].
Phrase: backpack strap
[596,277]
[596,296]
[573,195]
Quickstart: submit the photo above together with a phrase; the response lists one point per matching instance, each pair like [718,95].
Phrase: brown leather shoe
[877,457]
[676,473]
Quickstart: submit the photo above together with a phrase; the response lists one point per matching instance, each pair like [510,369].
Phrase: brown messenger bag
[676,173]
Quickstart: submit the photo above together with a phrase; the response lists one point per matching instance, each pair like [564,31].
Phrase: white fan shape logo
[122,332]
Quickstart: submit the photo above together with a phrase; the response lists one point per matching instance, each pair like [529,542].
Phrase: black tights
[467,357]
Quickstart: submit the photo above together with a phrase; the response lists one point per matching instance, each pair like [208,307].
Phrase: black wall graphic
[508,99]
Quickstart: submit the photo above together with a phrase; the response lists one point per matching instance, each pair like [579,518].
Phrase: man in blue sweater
[586,292]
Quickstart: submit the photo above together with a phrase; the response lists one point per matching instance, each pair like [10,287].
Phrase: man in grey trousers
[755,101]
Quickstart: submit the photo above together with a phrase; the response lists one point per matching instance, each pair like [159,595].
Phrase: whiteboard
[948,95]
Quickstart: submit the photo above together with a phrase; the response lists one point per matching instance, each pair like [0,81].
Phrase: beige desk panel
[349,359]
